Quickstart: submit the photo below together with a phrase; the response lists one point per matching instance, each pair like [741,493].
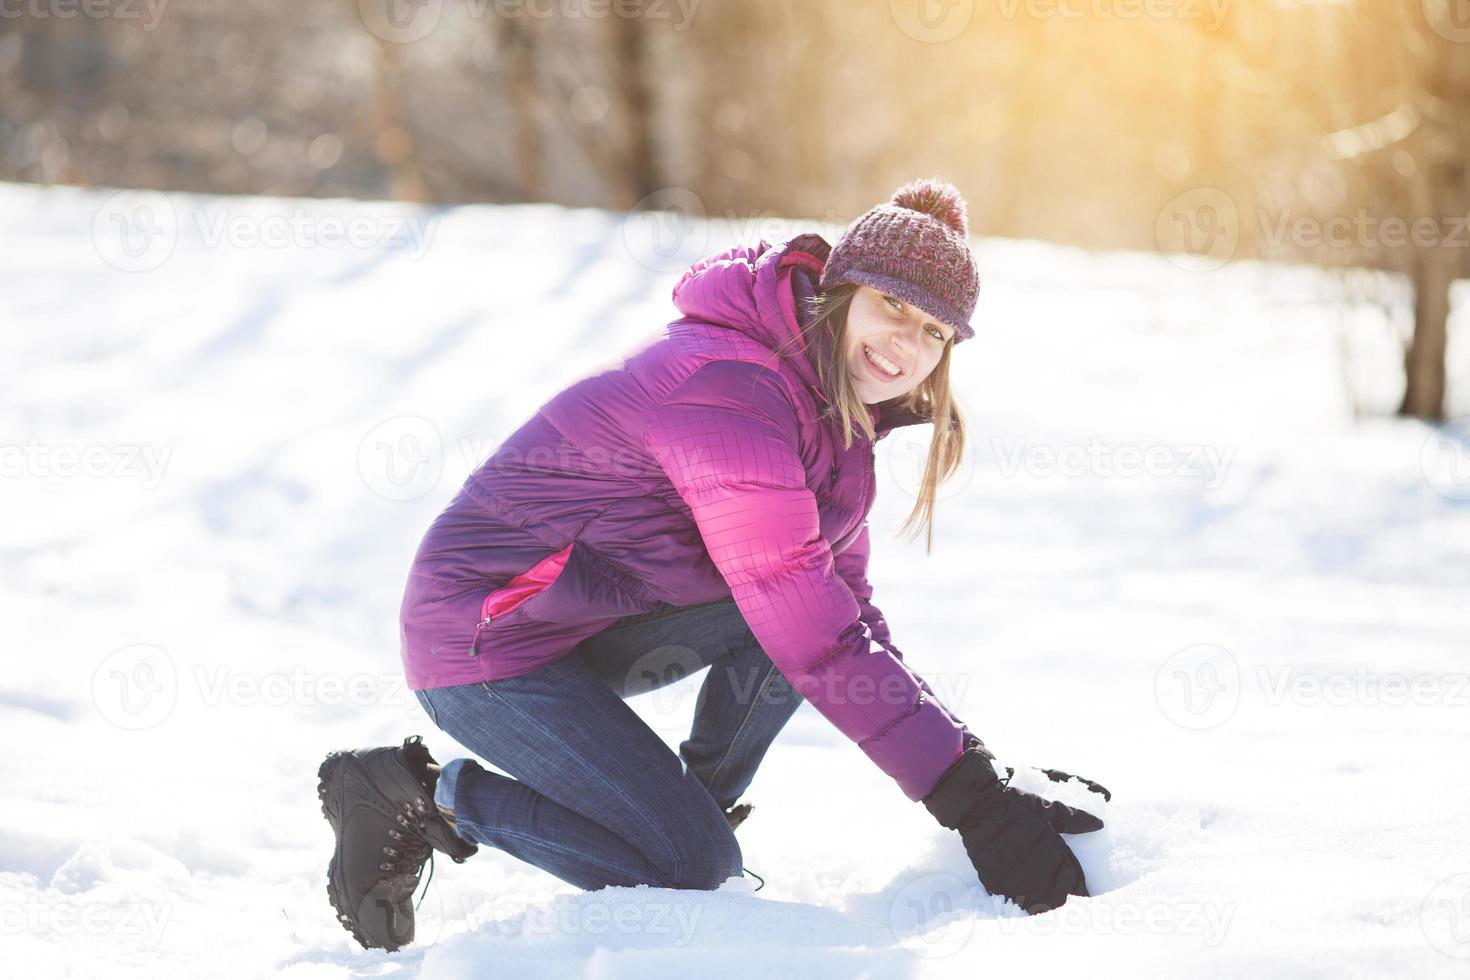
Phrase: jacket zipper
[479,628]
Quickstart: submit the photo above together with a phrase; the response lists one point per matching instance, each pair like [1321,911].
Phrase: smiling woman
[548,592]
[891,346]
[894,299]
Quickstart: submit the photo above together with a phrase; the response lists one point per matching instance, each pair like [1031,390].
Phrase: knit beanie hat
[915,247]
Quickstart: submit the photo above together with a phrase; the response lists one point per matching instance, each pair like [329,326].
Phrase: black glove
[1011,836]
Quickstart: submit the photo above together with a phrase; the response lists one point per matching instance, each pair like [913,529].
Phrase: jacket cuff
[961,785]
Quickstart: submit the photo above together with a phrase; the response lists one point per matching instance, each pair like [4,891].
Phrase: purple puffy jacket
[696,471]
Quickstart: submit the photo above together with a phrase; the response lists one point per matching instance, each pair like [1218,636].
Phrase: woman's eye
[896,304]
[936,333]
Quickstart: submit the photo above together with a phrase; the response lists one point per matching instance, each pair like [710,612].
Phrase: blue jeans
[595,795]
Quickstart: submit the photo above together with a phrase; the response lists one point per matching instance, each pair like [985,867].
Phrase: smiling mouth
[883,364]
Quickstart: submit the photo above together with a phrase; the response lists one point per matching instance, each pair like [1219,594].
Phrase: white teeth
[882,361]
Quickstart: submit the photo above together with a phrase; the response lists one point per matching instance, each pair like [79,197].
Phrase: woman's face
[904,337]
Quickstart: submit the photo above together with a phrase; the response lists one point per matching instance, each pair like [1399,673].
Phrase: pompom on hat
[915,246]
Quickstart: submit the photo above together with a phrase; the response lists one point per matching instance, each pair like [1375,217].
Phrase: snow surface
[224,441]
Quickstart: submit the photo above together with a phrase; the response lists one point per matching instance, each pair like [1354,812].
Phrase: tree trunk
[1433,272]
[631,78]
[394,144]
[530,114]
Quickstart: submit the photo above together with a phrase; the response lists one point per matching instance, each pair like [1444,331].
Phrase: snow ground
[223,442]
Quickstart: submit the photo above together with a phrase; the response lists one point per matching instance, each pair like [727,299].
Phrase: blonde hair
[931,399]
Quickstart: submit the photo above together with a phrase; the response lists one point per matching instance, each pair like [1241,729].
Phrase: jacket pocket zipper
[479,630]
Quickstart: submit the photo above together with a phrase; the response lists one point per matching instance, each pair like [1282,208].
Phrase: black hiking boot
[380,803]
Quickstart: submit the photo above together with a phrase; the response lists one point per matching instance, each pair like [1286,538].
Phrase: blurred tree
[1058,124]
[393,141]
[1439,191]
[1408,96]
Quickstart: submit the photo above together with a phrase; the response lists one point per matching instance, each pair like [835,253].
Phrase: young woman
[704,504]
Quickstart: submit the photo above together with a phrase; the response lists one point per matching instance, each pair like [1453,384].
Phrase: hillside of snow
[1174,563]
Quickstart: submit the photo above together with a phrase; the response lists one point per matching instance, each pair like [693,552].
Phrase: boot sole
[325,774]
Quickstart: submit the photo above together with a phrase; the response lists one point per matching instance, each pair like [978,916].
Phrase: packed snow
[1176,562]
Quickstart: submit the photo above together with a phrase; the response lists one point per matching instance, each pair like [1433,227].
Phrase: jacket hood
[755,289]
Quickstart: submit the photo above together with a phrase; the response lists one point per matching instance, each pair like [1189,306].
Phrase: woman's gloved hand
[1012,837]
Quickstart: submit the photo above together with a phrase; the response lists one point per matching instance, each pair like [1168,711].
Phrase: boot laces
[410,849]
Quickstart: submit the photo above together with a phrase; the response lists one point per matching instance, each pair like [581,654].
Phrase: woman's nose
[905,340]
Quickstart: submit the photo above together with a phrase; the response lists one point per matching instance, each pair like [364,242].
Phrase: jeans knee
[709,867]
